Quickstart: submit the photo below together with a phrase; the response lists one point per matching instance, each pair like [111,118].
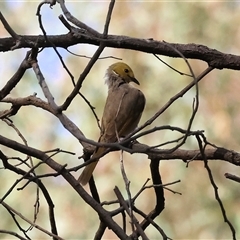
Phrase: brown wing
[122,112]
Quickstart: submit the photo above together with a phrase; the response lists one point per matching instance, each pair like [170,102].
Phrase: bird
[122,112]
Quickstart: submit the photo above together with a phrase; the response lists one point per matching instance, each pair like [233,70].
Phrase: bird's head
[121,70]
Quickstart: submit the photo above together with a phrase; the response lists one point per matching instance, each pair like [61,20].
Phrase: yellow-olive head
[121,70]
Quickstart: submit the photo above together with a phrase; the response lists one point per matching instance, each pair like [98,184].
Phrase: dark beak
[135,80]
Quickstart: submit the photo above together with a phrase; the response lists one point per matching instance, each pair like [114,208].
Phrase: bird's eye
[126,70]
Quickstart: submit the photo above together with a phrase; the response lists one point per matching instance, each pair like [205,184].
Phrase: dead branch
[212,57]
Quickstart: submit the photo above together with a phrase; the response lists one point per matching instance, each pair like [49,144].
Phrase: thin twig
[30,222]
[127,187]
[8,27]
[133,218]
[181,73]
[13,234]
[215,187]
[232,177]
[152,222]
[75,21]
[41,186]
[15,79]
[81,78]
[108,18]
[171,101]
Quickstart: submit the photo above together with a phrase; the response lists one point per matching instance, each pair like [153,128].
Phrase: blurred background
[193,215]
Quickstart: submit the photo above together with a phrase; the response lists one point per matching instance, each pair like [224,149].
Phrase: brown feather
[122,112]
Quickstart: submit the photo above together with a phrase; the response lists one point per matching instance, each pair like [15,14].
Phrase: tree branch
[11,83]
[212,57]
[70,179]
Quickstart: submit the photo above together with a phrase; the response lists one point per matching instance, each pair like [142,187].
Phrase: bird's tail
[87,172]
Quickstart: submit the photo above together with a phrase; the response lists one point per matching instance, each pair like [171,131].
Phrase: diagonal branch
[215,187]
[39,183]
[16,77]
[30,222]
[172,100]
[70,179]
[160,200]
